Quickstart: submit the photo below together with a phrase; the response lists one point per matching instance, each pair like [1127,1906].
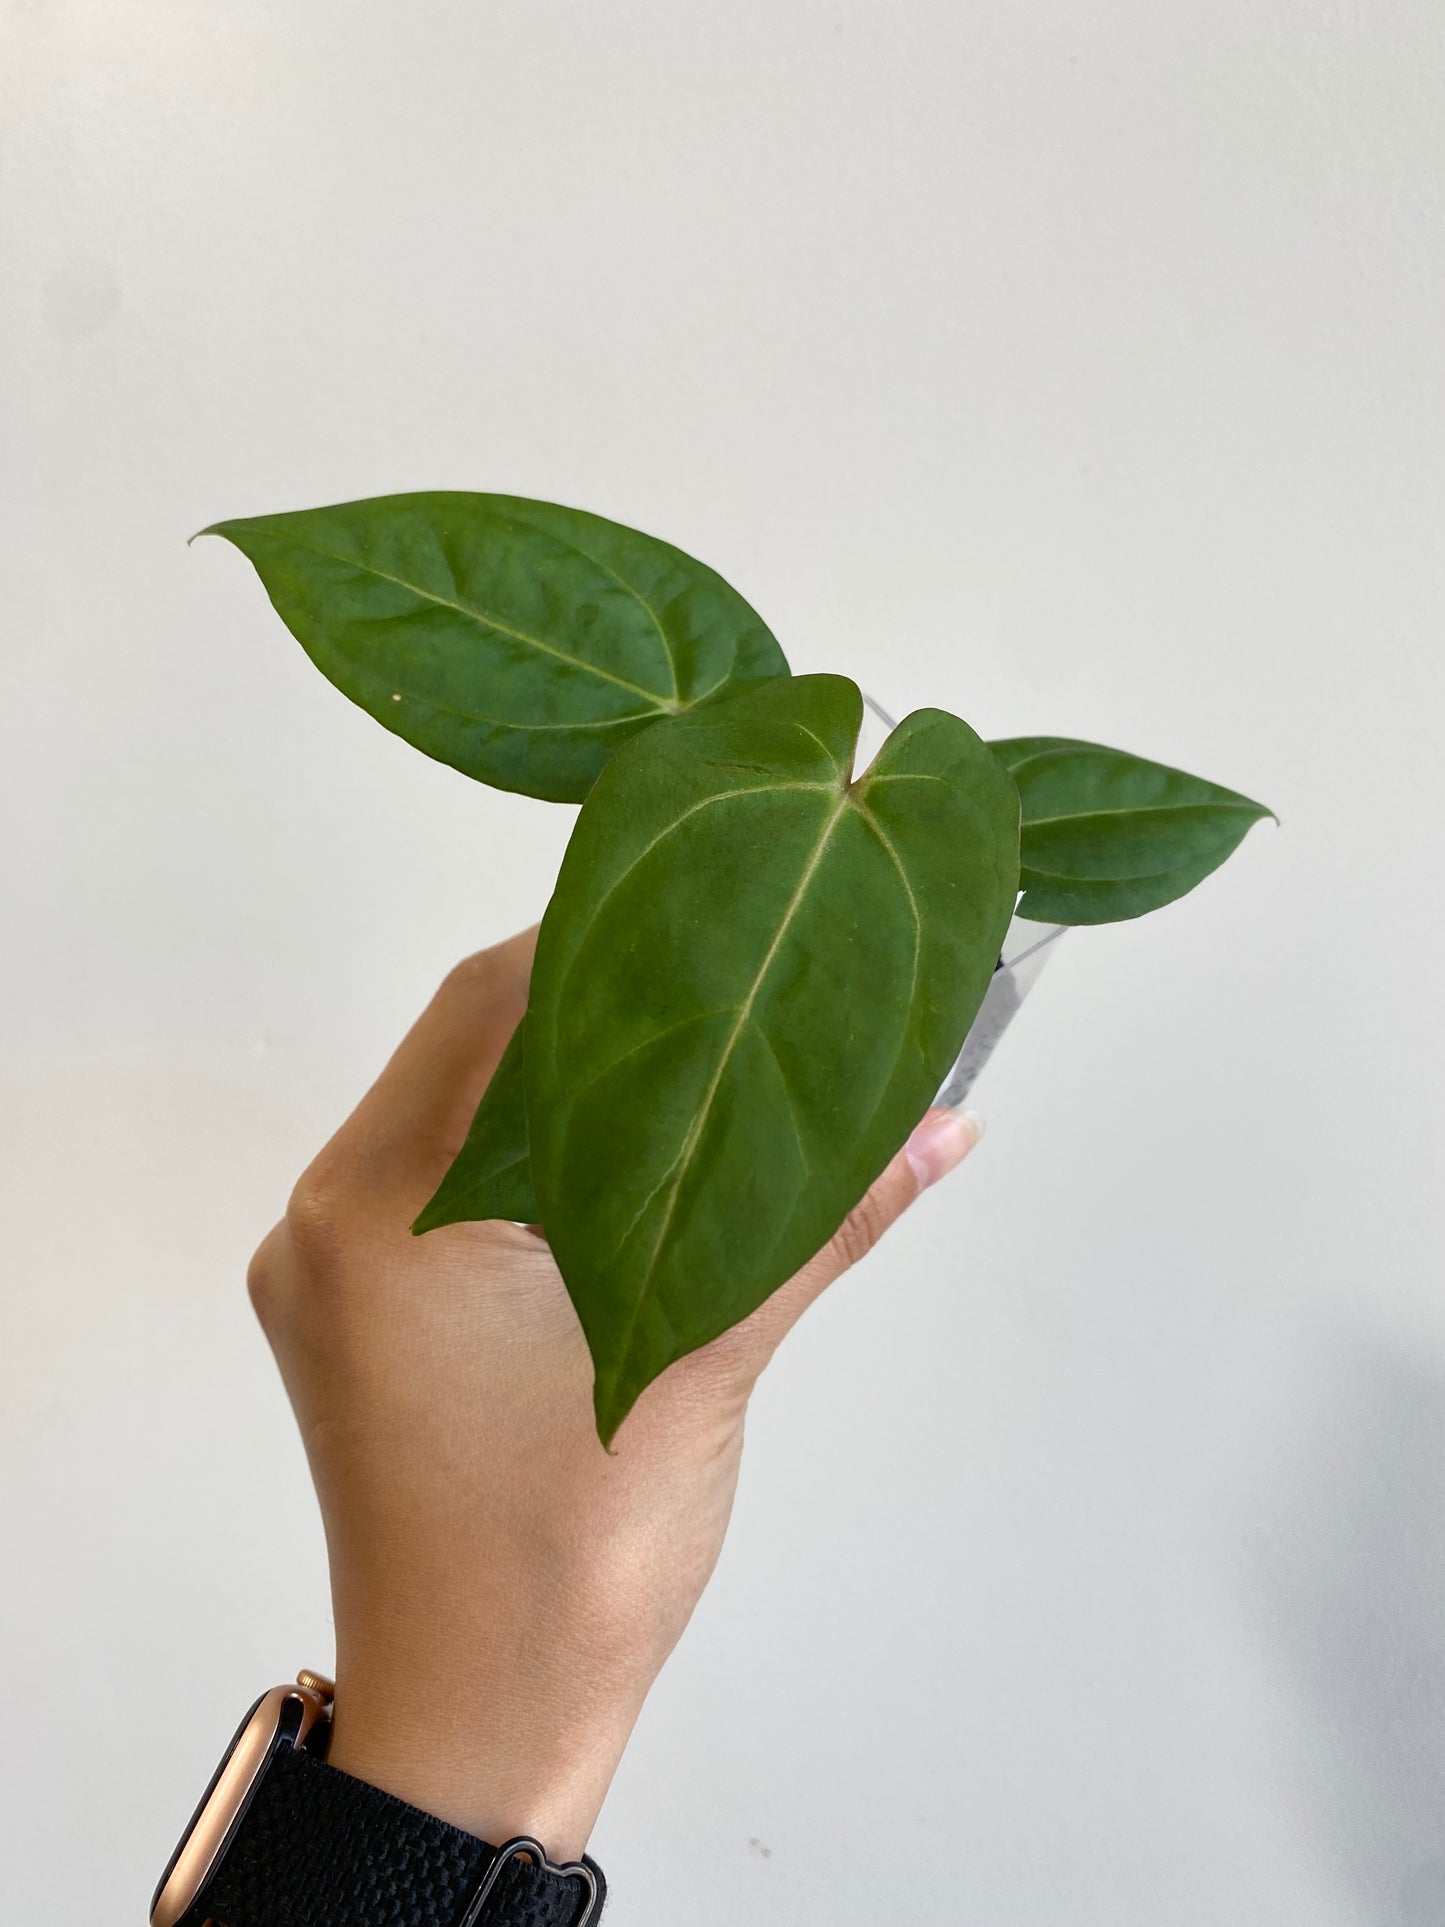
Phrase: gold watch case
[286,1716]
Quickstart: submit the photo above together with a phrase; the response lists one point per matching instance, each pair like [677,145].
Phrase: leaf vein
[787,1098]
[897,861]
[1132,876]
[631,589]
[653,1037]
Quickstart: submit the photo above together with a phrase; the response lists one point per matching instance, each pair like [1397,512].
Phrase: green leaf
[1108,836]
[748,986]
[491,1176]
[518,641]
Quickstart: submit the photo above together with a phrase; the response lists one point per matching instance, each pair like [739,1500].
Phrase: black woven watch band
[318,1848]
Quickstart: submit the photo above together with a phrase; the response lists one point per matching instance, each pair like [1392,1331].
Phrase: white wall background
[1077,367]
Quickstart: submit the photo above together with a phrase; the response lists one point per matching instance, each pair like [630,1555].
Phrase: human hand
[505,1590]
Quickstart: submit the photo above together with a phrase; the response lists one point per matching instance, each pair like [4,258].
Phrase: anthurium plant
[759,962]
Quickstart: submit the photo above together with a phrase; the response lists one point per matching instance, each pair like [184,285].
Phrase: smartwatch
[280,1839]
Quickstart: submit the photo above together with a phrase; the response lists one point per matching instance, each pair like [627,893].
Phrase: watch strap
[319,1848]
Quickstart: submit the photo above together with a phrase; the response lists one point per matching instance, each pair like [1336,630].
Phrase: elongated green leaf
[1108,836]
[519,641]
[748,986]
[491,1176]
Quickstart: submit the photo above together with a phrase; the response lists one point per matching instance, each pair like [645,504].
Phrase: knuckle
[490,986]
[473,977]
[317,1224]
[861,1229]
[715,1381]
[727,1361]
[266,1279]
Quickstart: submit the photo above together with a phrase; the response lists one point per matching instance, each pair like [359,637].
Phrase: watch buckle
[585,1870]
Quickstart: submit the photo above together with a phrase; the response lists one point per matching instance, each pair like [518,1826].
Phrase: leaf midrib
[666,706]
[703,803]
[501,722]
[740,1023]
[1141,809]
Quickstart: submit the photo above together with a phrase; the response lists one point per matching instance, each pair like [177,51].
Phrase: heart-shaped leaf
[491,1176]
[519,641]
[749,983]
[1107,836]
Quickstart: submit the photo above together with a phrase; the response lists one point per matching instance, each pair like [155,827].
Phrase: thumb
[938,1145]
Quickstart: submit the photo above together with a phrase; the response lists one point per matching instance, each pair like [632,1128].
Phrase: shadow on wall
[1353,1583]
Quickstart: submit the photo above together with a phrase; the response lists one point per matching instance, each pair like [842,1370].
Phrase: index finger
[411,1123]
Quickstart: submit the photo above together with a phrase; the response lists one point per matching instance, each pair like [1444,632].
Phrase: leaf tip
[610,1407]
[1261,812]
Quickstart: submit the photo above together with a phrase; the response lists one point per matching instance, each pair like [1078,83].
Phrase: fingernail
[943,1140]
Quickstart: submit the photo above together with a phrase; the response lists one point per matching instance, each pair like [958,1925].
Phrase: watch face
[283,1717]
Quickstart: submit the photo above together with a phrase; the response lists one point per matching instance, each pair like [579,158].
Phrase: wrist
[487,1749]
[280,1833]
[493,1685]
